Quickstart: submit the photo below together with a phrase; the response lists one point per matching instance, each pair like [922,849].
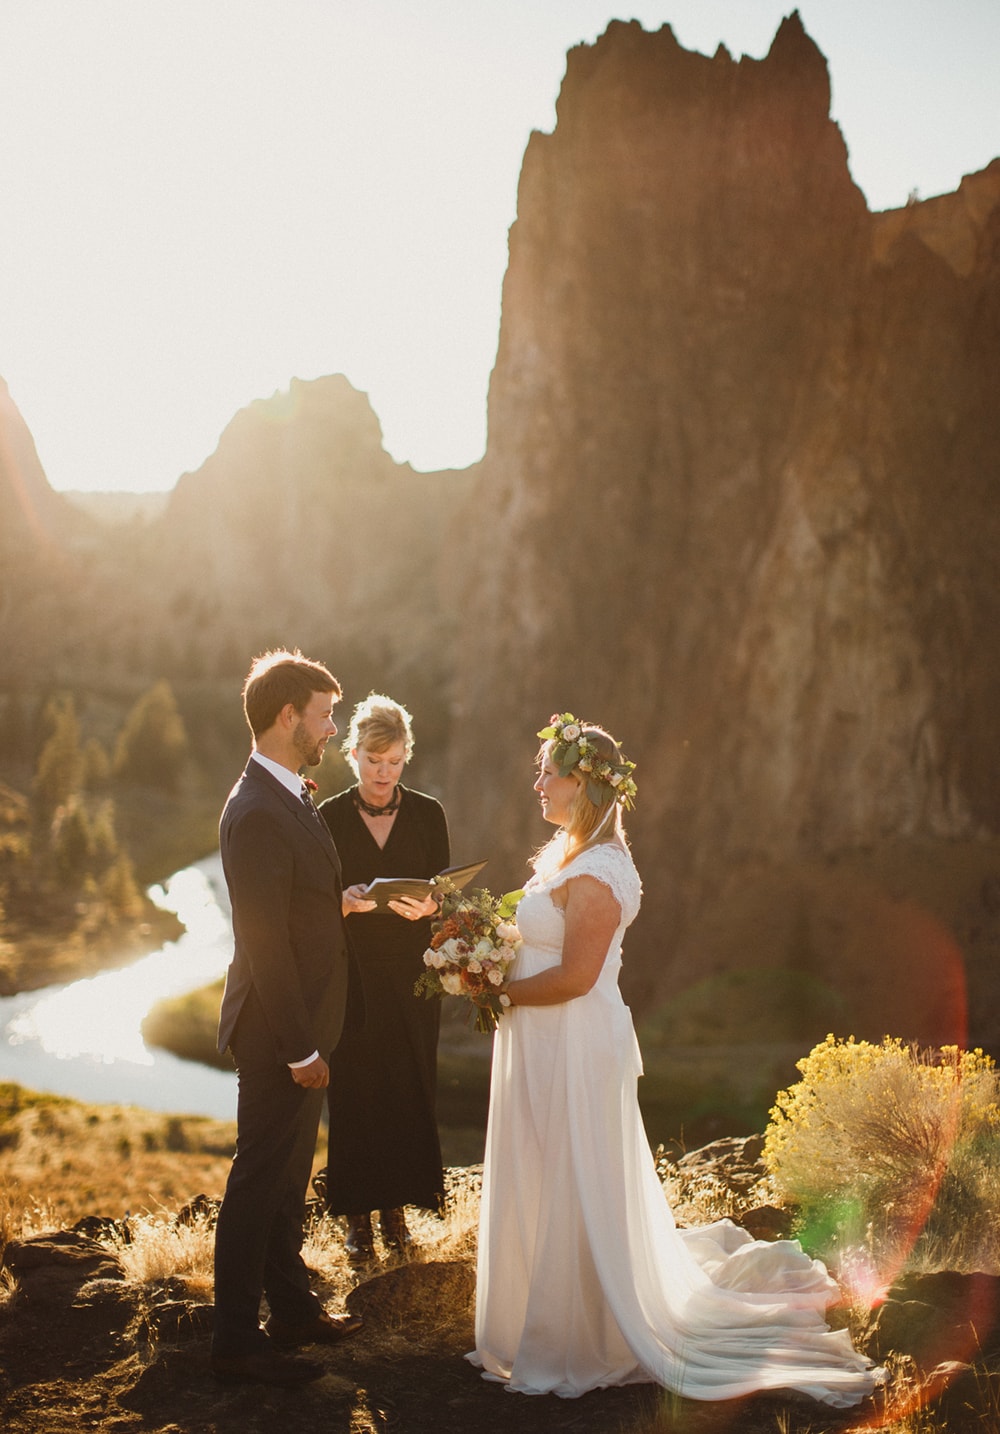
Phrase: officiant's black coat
[384,1150]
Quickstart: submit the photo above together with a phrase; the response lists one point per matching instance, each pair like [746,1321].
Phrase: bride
[583,1278]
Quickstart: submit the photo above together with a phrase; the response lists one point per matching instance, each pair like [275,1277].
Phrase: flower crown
[571,750]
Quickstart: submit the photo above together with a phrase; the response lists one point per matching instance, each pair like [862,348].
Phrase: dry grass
[61,1159]
[698,1197]
[8,1287]
[158,1247]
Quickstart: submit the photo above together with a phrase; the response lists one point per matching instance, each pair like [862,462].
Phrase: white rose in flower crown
[451,982]
[508,932]
[570,732]
[615,778]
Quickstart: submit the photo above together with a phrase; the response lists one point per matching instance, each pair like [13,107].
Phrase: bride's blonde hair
[589,823]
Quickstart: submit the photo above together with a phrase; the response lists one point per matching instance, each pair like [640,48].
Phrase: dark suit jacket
[290,976]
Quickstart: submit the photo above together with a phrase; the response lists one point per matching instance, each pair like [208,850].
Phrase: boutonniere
[310,785]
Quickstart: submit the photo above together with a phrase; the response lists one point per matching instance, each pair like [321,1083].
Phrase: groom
[286,997]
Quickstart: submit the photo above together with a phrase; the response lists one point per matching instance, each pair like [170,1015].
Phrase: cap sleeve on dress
[612,866]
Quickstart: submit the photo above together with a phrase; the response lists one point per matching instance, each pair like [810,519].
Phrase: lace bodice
[542,923]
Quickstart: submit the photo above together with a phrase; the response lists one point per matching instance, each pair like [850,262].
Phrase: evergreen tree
[96,766]
[71,842]
[152,745]
[14,730]
[120,889]
[104,842]
[59,773]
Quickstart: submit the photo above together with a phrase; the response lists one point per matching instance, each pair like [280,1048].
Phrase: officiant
[384,1149]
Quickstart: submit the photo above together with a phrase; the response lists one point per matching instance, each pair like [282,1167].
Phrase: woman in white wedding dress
[583,1279]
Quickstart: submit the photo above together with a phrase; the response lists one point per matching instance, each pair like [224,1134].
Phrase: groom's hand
[314,1076]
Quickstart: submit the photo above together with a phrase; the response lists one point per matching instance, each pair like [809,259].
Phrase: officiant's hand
[354,899]
[412,910]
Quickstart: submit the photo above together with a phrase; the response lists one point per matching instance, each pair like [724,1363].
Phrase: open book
[390,888]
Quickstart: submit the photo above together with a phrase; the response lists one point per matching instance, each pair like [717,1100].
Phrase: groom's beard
[308,751]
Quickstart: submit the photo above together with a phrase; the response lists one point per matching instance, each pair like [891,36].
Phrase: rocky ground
[81,1348]
[84,1345]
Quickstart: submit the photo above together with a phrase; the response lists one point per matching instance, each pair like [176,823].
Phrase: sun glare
[200,202]
[101,1018]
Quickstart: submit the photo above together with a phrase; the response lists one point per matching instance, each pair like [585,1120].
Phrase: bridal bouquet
[473,944]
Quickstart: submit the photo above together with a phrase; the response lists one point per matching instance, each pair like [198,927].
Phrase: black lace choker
[391,805]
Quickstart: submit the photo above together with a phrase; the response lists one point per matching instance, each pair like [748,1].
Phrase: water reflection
[84,1039]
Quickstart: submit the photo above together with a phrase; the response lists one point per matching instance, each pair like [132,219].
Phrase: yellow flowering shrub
[890,1147]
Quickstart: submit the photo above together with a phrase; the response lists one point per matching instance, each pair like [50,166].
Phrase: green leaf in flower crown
[546,734]
[597,794]
[569,759]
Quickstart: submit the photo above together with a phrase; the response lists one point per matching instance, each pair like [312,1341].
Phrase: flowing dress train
[583,1278]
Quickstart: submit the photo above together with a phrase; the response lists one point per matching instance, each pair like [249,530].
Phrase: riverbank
[51,935]
[31,960]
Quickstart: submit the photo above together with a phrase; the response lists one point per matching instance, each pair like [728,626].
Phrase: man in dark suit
[287,994]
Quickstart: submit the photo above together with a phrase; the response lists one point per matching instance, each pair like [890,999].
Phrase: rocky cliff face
[738,503]
[44,548]
[743,455]
[301,528]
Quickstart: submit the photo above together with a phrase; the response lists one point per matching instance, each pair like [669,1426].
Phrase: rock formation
[301,528]
[742,469]
[43,542]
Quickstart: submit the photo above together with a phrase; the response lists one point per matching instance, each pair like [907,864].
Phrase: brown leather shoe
[324,1329]
[265,1366]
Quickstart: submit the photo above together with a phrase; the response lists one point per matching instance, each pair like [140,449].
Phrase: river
[84,1039]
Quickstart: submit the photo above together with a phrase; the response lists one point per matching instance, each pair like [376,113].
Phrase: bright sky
[200,199]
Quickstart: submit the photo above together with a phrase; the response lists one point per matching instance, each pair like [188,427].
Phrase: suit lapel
[314,825]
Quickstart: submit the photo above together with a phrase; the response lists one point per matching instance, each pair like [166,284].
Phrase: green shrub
[891,1155]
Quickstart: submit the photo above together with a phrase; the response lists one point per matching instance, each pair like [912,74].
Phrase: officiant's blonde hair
[378,723]
[588,824]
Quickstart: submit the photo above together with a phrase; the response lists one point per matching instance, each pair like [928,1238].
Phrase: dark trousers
[258,1238]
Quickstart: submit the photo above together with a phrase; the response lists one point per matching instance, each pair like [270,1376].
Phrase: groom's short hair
[277,678]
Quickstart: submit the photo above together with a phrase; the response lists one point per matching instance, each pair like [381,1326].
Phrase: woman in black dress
[384,1150]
